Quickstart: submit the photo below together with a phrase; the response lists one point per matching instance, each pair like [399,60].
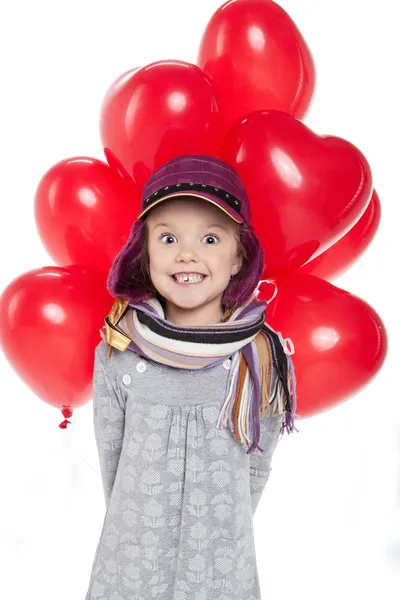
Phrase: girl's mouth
[188,280]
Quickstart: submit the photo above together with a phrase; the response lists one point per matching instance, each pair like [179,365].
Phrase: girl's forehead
[194,211]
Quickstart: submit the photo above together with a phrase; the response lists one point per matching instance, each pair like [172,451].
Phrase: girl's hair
[129,276]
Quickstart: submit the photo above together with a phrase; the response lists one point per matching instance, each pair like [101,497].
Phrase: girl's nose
[186,253]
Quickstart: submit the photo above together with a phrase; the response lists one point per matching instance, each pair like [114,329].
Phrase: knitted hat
[200,176]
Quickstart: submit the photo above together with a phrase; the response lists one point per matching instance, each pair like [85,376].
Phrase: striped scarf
[261,380]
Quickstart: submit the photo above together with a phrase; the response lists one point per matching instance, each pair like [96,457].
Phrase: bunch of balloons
[312,201]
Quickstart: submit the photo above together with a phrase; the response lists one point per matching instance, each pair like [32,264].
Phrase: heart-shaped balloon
[84,211]
[49,323]
[159,111]
[340,341]
[112,94]
[306,191]
[341,256]
[257,59]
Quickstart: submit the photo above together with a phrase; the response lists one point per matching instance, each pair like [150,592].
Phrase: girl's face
[192,236]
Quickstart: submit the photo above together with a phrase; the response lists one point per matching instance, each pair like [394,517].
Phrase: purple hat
[201,176]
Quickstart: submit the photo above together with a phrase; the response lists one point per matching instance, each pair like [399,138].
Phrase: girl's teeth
[189,278]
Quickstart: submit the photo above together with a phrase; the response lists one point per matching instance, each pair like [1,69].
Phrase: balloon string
[67,436]
[70,444]
[67,473]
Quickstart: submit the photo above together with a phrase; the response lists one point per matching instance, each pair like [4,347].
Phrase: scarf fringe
[277,390]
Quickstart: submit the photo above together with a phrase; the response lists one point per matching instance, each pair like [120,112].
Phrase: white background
[328,524]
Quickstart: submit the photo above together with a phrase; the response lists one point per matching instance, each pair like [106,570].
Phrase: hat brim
[224,206]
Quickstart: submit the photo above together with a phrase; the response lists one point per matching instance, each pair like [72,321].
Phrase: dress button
[141,366]
[126,379]
[227,364]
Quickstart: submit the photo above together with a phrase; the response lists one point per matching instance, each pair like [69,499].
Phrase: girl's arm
[260,464]
[109,423]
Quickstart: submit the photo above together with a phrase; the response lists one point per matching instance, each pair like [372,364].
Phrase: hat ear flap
[126,278]
[242,285]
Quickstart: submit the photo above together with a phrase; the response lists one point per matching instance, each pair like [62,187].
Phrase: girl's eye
[211,235]
[169,235]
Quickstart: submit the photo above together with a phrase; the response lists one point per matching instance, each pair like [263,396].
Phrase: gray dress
[180,492]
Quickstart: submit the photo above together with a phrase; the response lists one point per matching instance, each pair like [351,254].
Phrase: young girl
[191,391]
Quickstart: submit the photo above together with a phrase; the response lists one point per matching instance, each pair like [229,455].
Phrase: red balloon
[257,59]
[84,212]
[49,323]
[340,341]
[306,191]
[114,91]
[341,256]
[162,110]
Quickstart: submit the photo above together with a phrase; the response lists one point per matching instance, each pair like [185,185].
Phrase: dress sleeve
[109,423]
[260,464]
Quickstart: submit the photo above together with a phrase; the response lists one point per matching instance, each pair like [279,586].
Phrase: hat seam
[153,183]
[227,168]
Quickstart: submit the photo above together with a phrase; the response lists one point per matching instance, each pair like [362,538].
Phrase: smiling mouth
[186,280]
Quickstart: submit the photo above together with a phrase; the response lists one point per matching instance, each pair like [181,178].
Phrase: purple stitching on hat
[182,174]
[192,158]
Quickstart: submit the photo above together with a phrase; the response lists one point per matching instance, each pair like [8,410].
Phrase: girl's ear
[237,265]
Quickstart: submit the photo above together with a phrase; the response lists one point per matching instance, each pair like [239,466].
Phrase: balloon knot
[67,412]
[64,424]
